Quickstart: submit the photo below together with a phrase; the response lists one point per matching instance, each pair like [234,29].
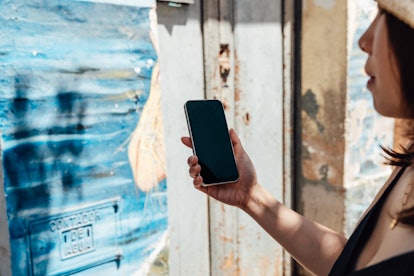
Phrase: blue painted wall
[74,79]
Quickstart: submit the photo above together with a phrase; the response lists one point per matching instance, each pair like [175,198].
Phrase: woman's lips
[371,81]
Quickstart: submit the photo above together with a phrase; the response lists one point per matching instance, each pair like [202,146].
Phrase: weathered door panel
[243,58]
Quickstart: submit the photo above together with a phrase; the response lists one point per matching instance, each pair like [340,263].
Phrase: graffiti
[79,97]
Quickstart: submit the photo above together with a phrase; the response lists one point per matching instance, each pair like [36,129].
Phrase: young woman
[383,242]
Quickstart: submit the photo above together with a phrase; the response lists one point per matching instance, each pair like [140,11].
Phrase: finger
[233,137]
[187,141]
[198,180]
[235,140]
[192,160]
[195,171]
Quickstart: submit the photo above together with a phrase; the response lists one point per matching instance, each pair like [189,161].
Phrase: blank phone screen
[211,141]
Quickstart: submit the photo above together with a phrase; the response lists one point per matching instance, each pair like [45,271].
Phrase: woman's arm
[314,246]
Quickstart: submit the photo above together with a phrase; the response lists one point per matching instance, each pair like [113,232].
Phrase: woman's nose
[364,44]
[365,41]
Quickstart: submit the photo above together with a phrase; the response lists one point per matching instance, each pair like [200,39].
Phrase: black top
[345,264]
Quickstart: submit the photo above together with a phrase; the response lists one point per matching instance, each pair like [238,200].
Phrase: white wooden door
[231,50]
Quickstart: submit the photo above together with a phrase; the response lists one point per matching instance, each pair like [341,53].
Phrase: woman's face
[382,68]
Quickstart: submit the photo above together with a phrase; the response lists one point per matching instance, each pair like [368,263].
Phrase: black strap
[350,254]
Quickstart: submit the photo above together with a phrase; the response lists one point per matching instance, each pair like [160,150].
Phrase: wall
[215,45]
[80,121]
[339,162]
[182,78]
[321,112]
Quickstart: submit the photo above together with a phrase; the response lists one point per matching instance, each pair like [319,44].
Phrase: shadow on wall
[41,159]
[33,162]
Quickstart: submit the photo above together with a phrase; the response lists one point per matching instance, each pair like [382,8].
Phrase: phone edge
[194,150]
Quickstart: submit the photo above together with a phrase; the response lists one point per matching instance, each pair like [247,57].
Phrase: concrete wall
[340,167]
[322,111]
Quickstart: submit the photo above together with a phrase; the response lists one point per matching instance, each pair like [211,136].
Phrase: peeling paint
[224,62]
[320,166]
[310,105]
[66,131]
[311,108]
[322,103]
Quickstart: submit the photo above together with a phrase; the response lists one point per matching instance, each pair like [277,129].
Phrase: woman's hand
[311,244]
[237,194]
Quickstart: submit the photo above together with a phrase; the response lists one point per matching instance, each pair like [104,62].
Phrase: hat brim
[402,9]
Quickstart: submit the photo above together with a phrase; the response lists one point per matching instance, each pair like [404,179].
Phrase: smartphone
[209,134]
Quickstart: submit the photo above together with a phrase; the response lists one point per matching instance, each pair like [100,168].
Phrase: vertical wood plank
[322,112]
[259,120]
[289,88]
[219,76]
[182,78]
[252,92]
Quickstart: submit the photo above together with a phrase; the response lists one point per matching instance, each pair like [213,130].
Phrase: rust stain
[226,239]
[237,91]
[246,118]
[223,208]
[225,105]
[237,95]
[264,264]
[322,162]
[224,62]
[228,261]
[323,144]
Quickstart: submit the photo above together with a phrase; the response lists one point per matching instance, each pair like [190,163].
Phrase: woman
[383,242]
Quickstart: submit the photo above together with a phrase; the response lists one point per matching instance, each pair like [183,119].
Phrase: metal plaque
[76,240]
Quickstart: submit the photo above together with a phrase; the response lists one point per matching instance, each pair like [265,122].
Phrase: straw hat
[402,9]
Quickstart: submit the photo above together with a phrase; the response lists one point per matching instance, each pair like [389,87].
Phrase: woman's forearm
[314,246]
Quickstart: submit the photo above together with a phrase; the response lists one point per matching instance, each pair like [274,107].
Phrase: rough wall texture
[322,106]
[341,131]
[76,79]
[365,128]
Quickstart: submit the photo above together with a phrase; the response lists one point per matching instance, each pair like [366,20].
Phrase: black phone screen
[211,141]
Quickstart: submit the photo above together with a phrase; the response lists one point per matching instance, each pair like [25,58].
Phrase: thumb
[235,140]
[187,141]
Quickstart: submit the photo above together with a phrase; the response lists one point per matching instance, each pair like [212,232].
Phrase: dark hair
[401,38]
